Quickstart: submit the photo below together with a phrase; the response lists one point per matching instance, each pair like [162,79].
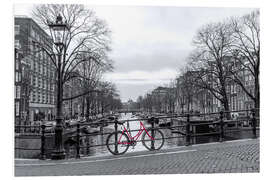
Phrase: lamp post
[58,30]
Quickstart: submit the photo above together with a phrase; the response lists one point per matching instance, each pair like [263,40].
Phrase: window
[20,78]
[16,77]
[17,29]
[36,82]
[17,64]
[17,108]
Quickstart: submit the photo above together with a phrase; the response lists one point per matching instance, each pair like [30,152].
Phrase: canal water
[174,140]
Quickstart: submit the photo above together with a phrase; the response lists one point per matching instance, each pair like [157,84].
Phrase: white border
[7,152]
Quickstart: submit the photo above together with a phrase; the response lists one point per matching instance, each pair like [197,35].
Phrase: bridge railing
[184,127]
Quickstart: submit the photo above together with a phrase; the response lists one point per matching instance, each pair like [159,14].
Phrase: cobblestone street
[240,156]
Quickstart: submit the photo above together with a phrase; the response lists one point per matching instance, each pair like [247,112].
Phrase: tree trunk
[257,96]
[226,107]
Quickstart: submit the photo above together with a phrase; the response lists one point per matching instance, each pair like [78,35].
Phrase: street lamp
[58,30]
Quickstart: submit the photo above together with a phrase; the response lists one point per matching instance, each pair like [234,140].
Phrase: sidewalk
[226,157]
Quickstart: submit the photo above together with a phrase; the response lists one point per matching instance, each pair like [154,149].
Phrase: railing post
[116,135]
[221,124]
[42,148]
[254,123]
[78,141]
[152,132]
[188,130]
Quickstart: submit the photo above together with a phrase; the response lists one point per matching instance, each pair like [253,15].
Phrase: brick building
[41,71]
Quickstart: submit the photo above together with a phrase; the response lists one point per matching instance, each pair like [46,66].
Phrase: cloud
[150,43]
[142,77]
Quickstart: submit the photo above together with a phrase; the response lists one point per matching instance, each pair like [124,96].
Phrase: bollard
[188,130]
[221,124]
[116,135]
[152,132]
[78,141]
[254,123]
[42,148]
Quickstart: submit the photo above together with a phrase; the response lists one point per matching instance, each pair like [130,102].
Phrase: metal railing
[186,128]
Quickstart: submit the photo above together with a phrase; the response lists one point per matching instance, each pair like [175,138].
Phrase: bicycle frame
[136,137]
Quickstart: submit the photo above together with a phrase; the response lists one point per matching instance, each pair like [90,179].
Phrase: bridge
[239,156]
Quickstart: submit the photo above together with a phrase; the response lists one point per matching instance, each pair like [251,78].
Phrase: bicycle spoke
[117,143]
[153,142]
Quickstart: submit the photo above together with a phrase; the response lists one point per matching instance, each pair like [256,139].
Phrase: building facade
[21,87]
[203,101]
[41,71]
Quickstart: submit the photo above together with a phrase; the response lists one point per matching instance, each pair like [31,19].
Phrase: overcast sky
[150,44]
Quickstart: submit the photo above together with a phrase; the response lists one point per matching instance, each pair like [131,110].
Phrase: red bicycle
[119,142]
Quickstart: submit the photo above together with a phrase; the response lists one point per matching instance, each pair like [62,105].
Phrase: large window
[20,76]
[17,108]
[16,76]
[17,64]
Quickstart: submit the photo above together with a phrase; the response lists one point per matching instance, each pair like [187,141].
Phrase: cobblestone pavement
[240,156]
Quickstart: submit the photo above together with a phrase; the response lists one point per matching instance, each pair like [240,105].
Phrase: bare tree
[109,97]
[170,96]
[87,35]
[148,102]
[246,52]
[139,102]
[91,72]
[210,60]
[186,89]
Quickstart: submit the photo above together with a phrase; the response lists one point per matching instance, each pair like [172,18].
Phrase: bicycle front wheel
[153,140]
[117,143]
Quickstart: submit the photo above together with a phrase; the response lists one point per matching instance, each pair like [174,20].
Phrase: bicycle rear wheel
[153,144]
[117,143]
